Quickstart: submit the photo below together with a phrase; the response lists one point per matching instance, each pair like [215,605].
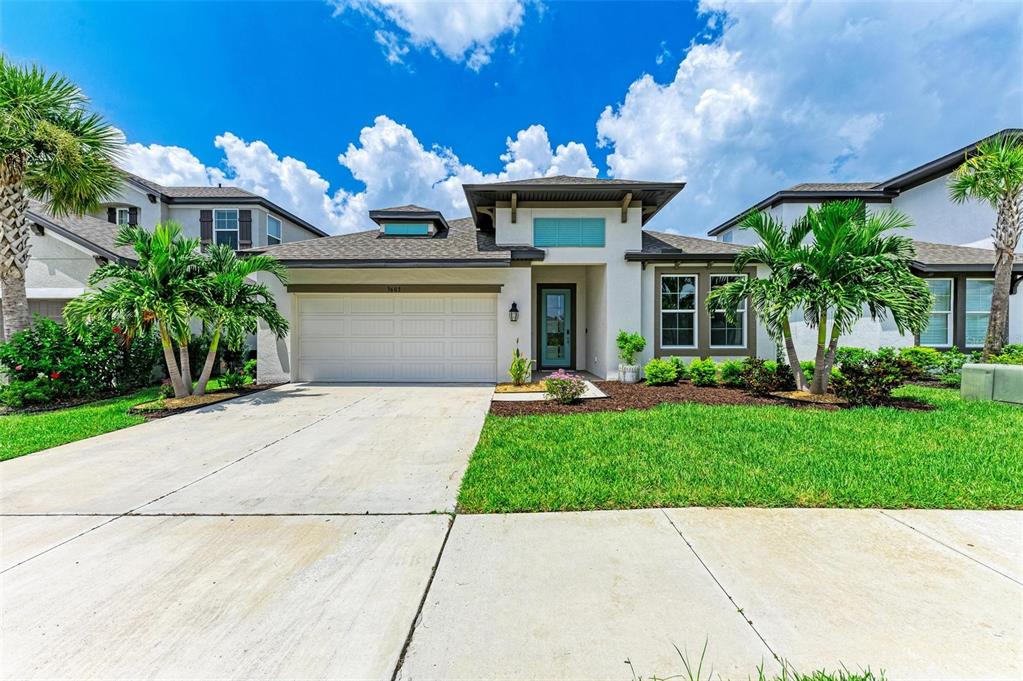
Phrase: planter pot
[628,373]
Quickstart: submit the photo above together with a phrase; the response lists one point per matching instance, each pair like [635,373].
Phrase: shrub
[628,345]
[660,372]
[731,372]
[703,372]
[762,377]
[520,369]
[924,361]
[872,380]
[232,379]
[1011,354]
[950,366]
[850,354]
[250,368]
[101,360]
[681,372]
[952,380]
[808,367]
[564,387]
[18,394]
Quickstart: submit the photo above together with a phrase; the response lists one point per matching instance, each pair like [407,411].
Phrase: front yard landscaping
[964,455]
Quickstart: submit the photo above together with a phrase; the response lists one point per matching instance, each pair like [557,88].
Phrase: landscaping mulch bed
[623,396]
[168,406]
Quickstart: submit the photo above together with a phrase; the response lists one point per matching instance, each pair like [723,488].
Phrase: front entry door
[556,328]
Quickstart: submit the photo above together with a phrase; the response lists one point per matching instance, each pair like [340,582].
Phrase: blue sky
[335,108]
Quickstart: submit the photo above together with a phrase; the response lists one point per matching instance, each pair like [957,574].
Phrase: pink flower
[18,368]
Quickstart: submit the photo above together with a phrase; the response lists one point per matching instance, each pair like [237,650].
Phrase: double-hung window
[225,227]
[978,310]
[723,333]
[273,230]
[124,216]
[678,311]
[938,333]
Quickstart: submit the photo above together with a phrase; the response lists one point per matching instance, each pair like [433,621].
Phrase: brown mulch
[169,406]
[623,396]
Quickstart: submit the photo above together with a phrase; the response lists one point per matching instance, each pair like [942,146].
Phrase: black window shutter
[206,227]
[244,228]
[133,216]
[112,215]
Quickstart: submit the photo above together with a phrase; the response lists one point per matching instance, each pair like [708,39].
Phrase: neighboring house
[947,237]
[66,250]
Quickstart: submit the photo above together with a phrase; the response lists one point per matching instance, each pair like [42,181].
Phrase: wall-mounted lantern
[513,313]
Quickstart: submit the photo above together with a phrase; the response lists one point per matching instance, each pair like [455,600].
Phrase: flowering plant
[564,387]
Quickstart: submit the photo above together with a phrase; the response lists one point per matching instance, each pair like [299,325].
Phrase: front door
[556,328]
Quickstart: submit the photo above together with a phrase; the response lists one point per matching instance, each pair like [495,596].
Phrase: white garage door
[397,337]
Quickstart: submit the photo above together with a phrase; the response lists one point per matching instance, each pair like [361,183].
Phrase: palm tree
[995,175]
[51,149]
[230,303]
[852,263]
[159,290]
[772,298]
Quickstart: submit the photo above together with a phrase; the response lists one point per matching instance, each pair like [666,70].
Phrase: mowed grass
[961,455]
[22,434]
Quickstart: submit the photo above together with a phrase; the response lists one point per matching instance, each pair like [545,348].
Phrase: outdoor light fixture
[513,313]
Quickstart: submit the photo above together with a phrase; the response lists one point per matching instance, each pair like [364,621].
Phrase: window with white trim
[678,311]
[273,230]
[124,216]
[978,310]
[938,333]
[723,333]
[225,227]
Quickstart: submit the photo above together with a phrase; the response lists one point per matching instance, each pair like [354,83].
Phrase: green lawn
[962,455]
[26,433]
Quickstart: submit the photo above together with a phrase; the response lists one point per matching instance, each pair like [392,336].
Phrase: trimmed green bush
[629,344]
[731,372]
[703,372]
[924,361]
[681,371]
[18,394]
[872,380]
[660,372]
[762,377]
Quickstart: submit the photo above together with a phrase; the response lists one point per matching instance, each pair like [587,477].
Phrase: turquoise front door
[555,328]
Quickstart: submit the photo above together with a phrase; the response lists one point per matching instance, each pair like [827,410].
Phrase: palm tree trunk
[817,386]
[172,364]
[207,368]
[14,244]
[829,360]
[1006,237]
[186,367]
[790,350]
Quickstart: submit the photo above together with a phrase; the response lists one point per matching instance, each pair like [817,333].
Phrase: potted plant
[628,345]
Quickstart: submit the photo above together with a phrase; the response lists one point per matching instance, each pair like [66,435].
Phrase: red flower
[18,368]
[55,375]
[117,330]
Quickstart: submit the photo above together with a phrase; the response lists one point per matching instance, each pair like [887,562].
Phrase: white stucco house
[66,250]
[555,266]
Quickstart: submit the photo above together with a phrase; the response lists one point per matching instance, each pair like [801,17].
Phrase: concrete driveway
[302,533]
[287,534]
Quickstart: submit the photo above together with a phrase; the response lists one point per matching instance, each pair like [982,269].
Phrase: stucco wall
[936,218]
[129,195]
[275,360]
[57,269]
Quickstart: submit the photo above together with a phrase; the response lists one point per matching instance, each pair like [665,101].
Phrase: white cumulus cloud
[461,30]
[393,166]
[797,91]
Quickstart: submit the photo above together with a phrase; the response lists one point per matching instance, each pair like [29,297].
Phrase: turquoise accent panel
[555,328]
[579,232]
[406,229]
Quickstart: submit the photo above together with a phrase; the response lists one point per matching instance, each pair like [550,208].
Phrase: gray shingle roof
[408,208]
[201,192]
[832,186]
[568,180]
[97,235]
[947,255]
[461,242]
[666,242]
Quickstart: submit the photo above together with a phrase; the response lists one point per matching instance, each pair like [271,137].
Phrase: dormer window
[407,229]
[123,216]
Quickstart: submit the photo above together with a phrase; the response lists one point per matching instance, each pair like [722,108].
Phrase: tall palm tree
[995,175]
[160,289]
[230,303]
[853,263]
[53,150]
[774,297]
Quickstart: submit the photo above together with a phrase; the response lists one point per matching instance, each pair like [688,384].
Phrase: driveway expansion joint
[738,609]
[949,547]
